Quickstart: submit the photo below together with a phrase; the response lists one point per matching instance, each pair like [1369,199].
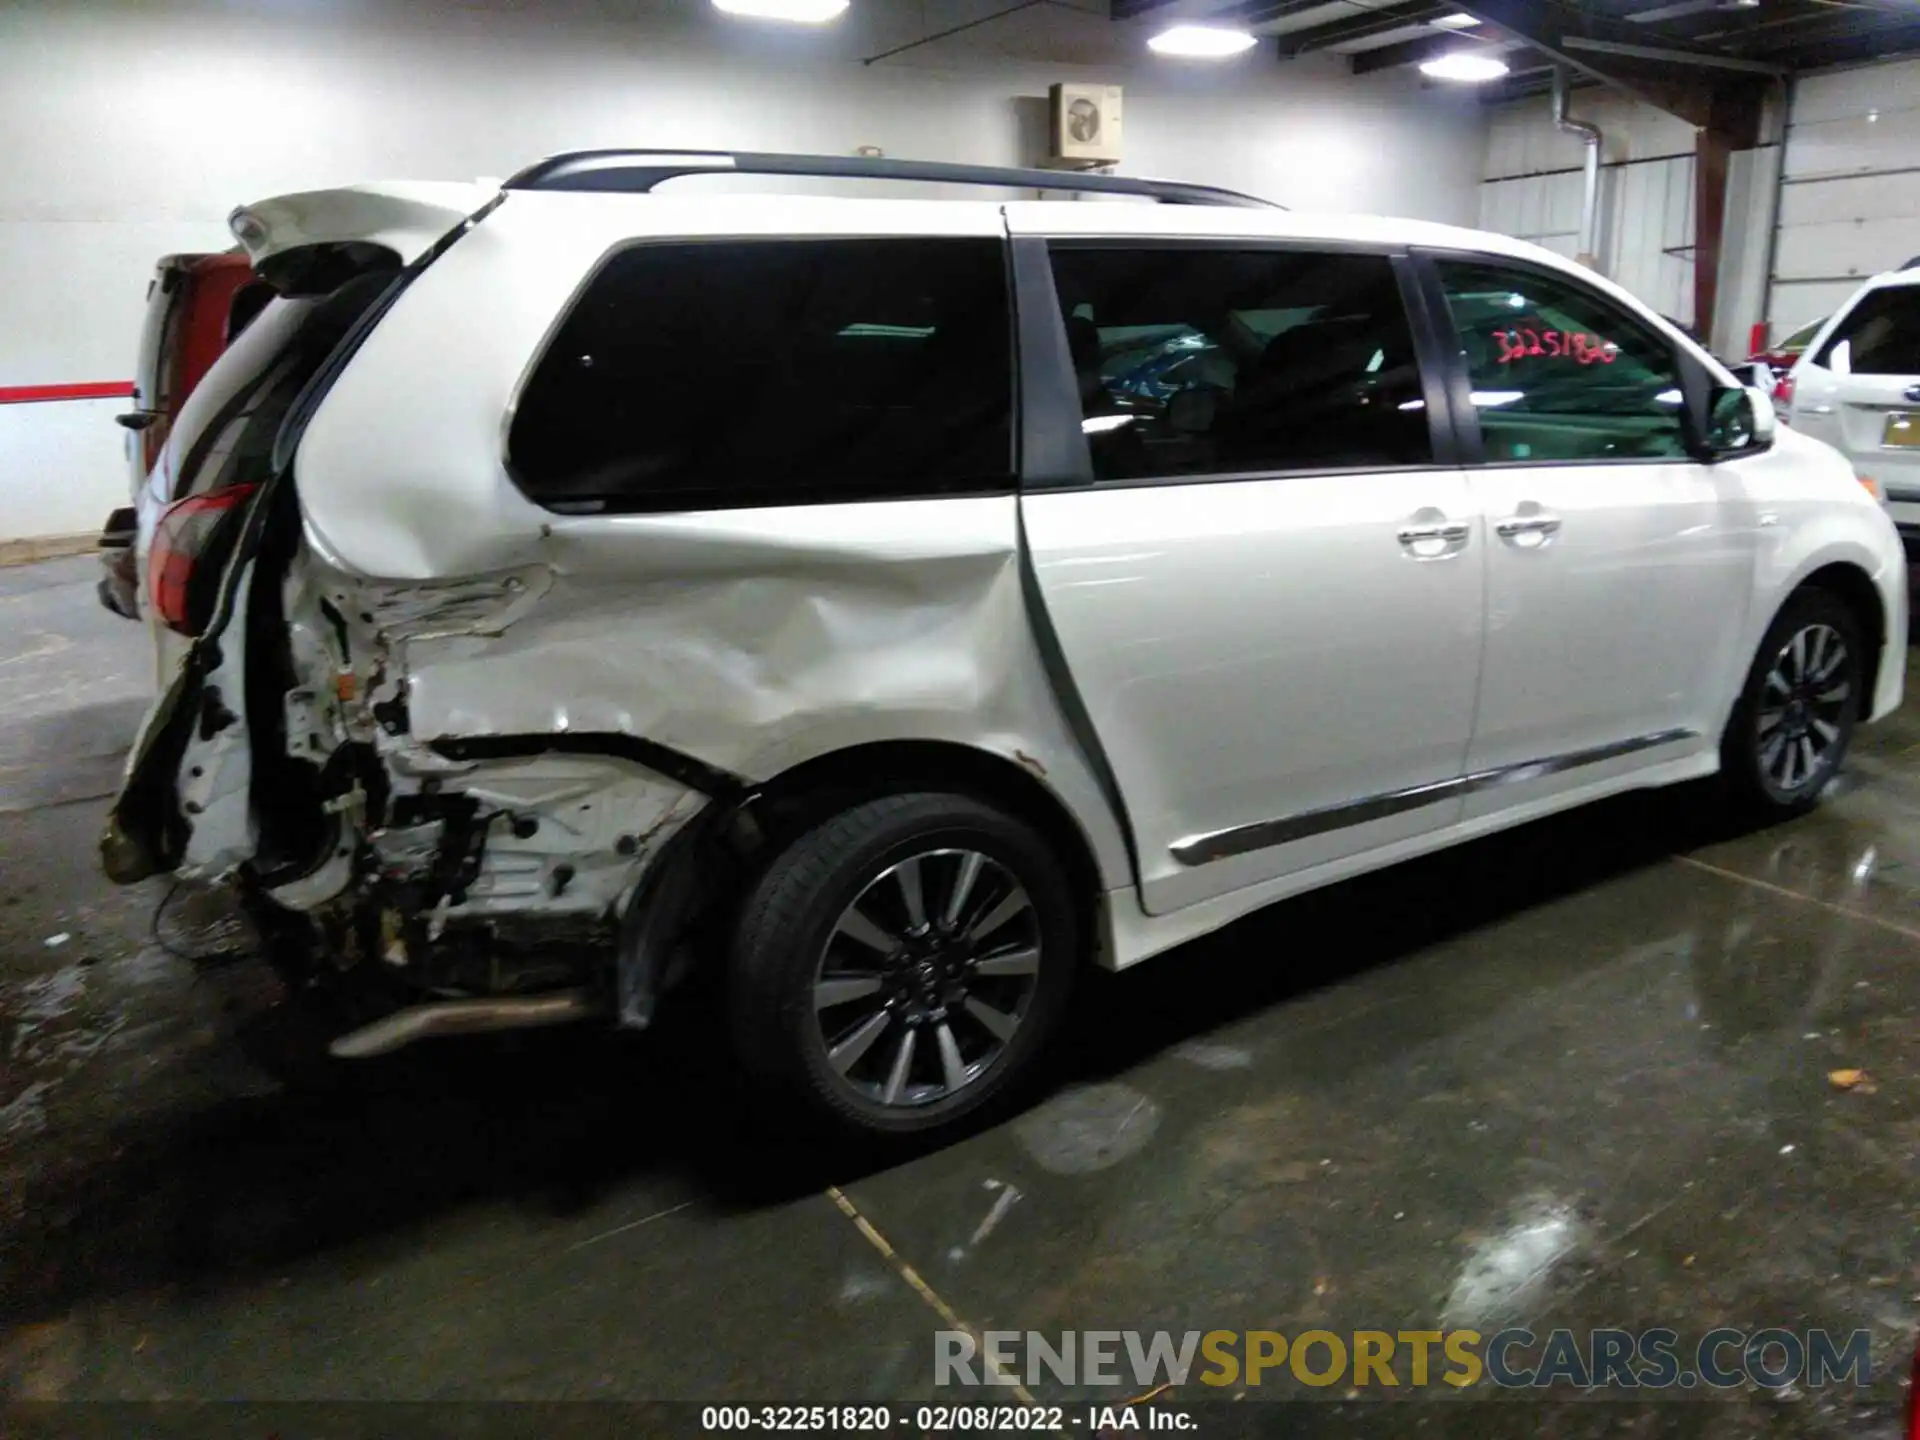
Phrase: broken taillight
[191,545]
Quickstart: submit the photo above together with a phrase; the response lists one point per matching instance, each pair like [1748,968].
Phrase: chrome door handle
[1527,525]
[1444,530]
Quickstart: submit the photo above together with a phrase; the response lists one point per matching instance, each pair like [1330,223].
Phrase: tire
[992,969]
[1764,755]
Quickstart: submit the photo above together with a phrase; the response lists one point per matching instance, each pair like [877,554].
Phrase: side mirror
[1737,420]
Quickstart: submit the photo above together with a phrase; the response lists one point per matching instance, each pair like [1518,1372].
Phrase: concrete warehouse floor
[1577,1075]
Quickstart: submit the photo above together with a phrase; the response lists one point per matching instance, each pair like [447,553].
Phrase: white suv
[904,603]
[1857,386]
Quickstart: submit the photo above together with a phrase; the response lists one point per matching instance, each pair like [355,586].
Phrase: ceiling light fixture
[1201,42]
[1458,21]
[803,12]
[1465,67]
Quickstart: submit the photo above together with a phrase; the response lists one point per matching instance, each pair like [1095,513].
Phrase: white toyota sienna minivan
[904,603]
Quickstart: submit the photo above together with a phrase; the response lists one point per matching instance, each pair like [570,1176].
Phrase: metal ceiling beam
[1260,12]
[1865,44]
[1549,27]
[1246,12]
[1361,25]
[1685,82]
[1518,86]
[1677,57]
[1411,52]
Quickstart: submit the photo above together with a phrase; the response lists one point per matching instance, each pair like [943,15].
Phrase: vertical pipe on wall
[1590,195]
[1784,94]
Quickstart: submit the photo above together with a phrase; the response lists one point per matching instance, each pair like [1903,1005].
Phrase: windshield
[1803,337]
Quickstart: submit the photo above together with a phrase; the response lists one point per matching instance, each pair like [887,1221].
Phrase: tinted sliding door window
[695,376]
[1559,372]
[1202,361]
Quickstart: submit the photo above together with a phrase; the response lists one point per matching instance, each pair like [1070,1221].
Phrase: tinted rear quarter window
[227,427]
[1880,337]
[715,374]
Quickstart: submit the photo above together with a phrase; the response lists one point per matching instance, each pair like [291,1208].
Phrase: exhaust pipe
[1589,135]
[462,1017]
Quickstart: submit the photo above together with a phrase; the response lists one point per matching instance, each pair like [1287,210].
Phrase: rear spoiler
[309,242]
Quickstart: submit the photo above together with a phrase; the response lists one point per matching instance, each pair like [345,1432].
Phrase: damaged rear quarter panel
[752,640]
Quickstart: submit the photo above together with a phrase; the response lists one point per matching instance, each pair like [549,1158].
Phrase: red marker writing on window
[1530,344]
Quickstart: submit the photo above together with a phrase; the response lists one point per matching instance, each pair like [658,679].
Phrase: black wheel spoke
[997,1023]
[953,1069]
[839,989]
[963,882]
[902,1066]
[845,1055]
[1770,752]
[858,927]
[1024,961]
[1010,906]
[907,874]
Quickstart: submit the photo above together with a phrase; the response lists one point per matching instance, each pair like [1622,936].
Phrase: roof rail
[636,172]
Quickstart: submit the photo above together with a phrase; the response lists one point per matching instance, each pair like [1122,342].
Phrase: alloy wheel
[1803,707]
[926,976]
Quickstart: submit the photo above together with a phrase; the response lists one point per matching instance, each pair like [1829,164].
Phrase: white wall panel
[1894,196]
[62,467]
[1853,146]
[1850,205]
[1646,213]
[1801,302]
[1533,189]
[1522,139]
[133,129]
[1844,248]
[1649,234]
[1838,94]
[74,292]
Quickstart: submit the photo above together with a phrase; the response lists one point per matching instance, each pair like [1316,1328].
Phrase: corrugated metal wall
[1532,190]
[1850,199]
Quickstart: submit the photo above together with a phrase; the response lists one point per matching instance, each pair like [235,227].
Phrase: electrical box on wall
[1086,124]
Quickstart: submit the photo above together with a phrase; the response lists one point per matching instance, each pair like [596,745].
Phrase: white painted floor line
[1865,917]
[630,1225]
[925,1291]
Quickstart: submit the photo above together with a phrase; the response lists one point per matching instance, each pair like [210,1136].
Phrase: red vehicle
[196,304]
[1778,360]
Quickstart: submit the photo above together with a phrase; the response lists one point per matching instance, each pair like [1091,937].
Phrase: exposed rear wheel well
[687,906]
[808,793]
[1853,588]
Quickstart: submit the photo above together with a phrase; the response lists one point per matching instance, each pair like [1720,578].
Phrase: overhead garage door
[1850,199]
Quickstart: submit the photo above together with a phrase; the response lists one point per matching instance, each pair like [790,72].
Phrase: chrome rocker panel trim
[1223,844]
